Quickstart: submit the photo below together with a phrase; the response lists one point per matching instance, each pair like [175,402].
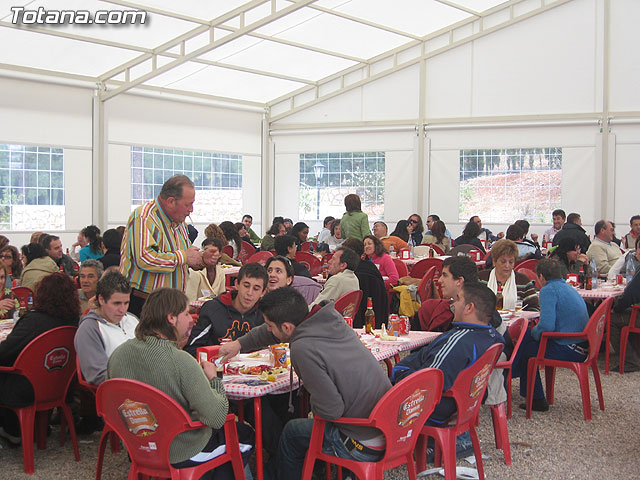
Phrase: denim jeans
[529,349]
[294,444]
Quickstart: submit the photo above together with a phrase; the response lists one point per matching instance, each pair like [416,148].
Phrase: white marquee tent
[270,80]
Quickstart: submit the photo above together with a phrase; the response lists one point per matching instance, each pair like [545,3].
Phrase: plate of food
[262,372]
[390,339]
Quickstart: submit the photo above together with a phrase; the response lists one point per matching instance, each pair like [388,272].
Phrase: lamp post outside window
[318,170]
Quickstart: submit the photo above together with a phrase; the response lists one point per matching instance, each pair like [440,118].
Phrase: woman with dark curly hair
[418,228]
[377,253]
[11,260]
[214,231]
[232,237]
[93,249]
[470,236]
[56,305]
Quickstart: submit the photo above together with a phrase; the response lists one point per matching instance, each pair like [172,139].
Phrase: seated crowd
[280,300]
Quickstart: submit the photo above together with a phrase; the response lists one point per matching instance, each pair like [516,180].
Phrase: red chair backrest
[306,246]
[83,383]
[246,250]
[530,264]
[424,287]
[313,264]
[468,389]
[530,275]
[228,249]
[516,332]
[49,363]
[140,414]
[349,303]
[402,411]
[403,271]
[259,257]
[22,294]
[595,327]
[436,248]
[420,268]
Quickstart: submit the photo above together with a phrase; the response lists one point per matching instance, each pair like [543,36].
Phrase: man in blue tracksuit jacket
[470,336]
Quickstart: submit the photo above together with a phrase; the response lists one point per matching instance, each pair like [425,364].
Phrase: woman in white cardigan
[210,281]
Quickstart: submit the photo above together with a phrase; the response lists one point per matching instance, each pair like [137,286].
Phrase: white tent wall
[152,122]
[33,113]
[540,82]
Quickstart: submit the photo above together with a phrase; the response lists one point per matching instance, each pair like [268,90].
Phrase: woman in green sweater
[354,223]
[153,357]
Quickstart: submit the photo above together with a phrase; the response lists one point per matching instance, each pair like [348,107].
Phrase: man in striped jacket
[470,336]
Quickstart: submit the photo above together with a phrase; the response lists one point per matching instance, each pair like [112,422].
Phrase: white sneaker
[10,438]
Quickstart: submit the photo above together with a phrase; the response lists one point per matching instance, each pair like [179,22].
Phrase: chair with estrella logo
[399,415]
[48,363]
[467,392]
[147,420]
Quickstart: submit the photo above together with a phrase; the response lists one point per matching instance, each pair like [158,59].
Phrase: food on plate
[387,338]
[254,355]
[263,372]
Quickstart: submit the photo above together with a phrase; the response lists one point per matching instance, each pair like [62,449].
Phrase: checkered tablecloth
[5,328]
[230,270]
[320,279]
[382,350]
[417,339]
[236,390]
[601,293]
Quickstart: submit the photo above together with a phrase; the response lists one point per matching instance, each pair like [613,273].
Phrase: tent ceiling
[243,51]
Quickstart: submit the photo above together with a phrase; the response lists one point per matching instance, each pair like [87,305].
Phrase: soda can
[279,356]
[619,279]
[349,321]
[405,325]
[391,318]
[394,326]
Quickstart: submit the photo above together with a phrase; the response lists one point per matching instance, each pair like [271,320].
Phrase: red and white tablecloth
[601,293]
[236,390]
[383,350]
[410,262]
[230,270]
[5,328]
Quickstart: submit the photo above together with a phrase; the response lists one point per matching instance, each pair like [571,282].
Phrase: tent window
[217,178]
[507,184]
[31,188]
[326,178]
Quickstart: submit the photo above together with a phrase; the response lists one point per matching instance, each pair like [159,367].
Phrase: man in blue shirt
[562,309]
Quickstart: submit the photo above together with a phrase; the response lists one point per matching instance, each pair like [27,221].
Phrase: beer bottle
[499,298]
[369,318]
[581,278]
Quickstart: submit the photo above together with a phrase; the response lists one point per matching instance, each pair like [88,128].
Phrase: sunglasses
[6,256]
[413,221]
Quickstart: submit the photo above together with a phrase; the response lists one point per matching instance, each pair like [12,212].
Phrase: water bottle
[630,269]
[594,273]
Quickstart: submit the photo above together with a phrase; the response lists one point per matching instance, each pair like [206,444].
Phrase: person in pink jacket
[376,252]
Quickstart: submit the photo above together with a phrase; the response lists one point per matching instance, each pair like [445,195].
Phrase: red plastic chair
[593,333]
[467,392]
[424,287]
[228,249]
[401,410]
[531,275]
[349,303]
[436,248]
[160,420]
[22,294]
[306,246]
[624,335]
[420,268]
[313,264]
[246,250]
[516,332]
[259,257]
[529,264]
[403,271]
[48,362]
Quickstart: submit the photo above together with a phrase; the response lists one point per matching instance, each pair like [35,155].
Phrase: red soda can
[405,325]
[619,279]
[349,321]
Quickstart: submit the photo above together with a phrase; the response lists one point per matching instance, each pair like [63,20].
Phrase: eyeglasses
[413,221]
[7,256]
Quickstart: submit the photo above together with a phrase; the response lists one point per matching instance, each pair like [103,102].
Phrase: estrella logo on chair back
[479,381]
[411,407]
[600,325]
[138,418]
[56,359]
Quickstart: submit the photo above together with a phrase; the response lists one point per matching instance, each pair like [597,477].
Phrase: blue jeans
[529,349]
[294,444]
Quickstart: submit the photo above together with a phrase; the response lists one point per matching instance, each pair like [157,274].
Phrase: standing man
[559,218]
[156,250]
[322,346]
[629,240]
[603,250]
[248,221]
[53,246]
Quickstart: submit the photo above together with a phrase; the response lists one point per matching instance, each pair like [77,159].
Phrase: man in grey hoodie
[340,374]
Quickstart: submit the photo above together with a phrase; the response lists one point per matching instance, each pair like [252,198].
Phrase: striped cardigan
[527,291]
